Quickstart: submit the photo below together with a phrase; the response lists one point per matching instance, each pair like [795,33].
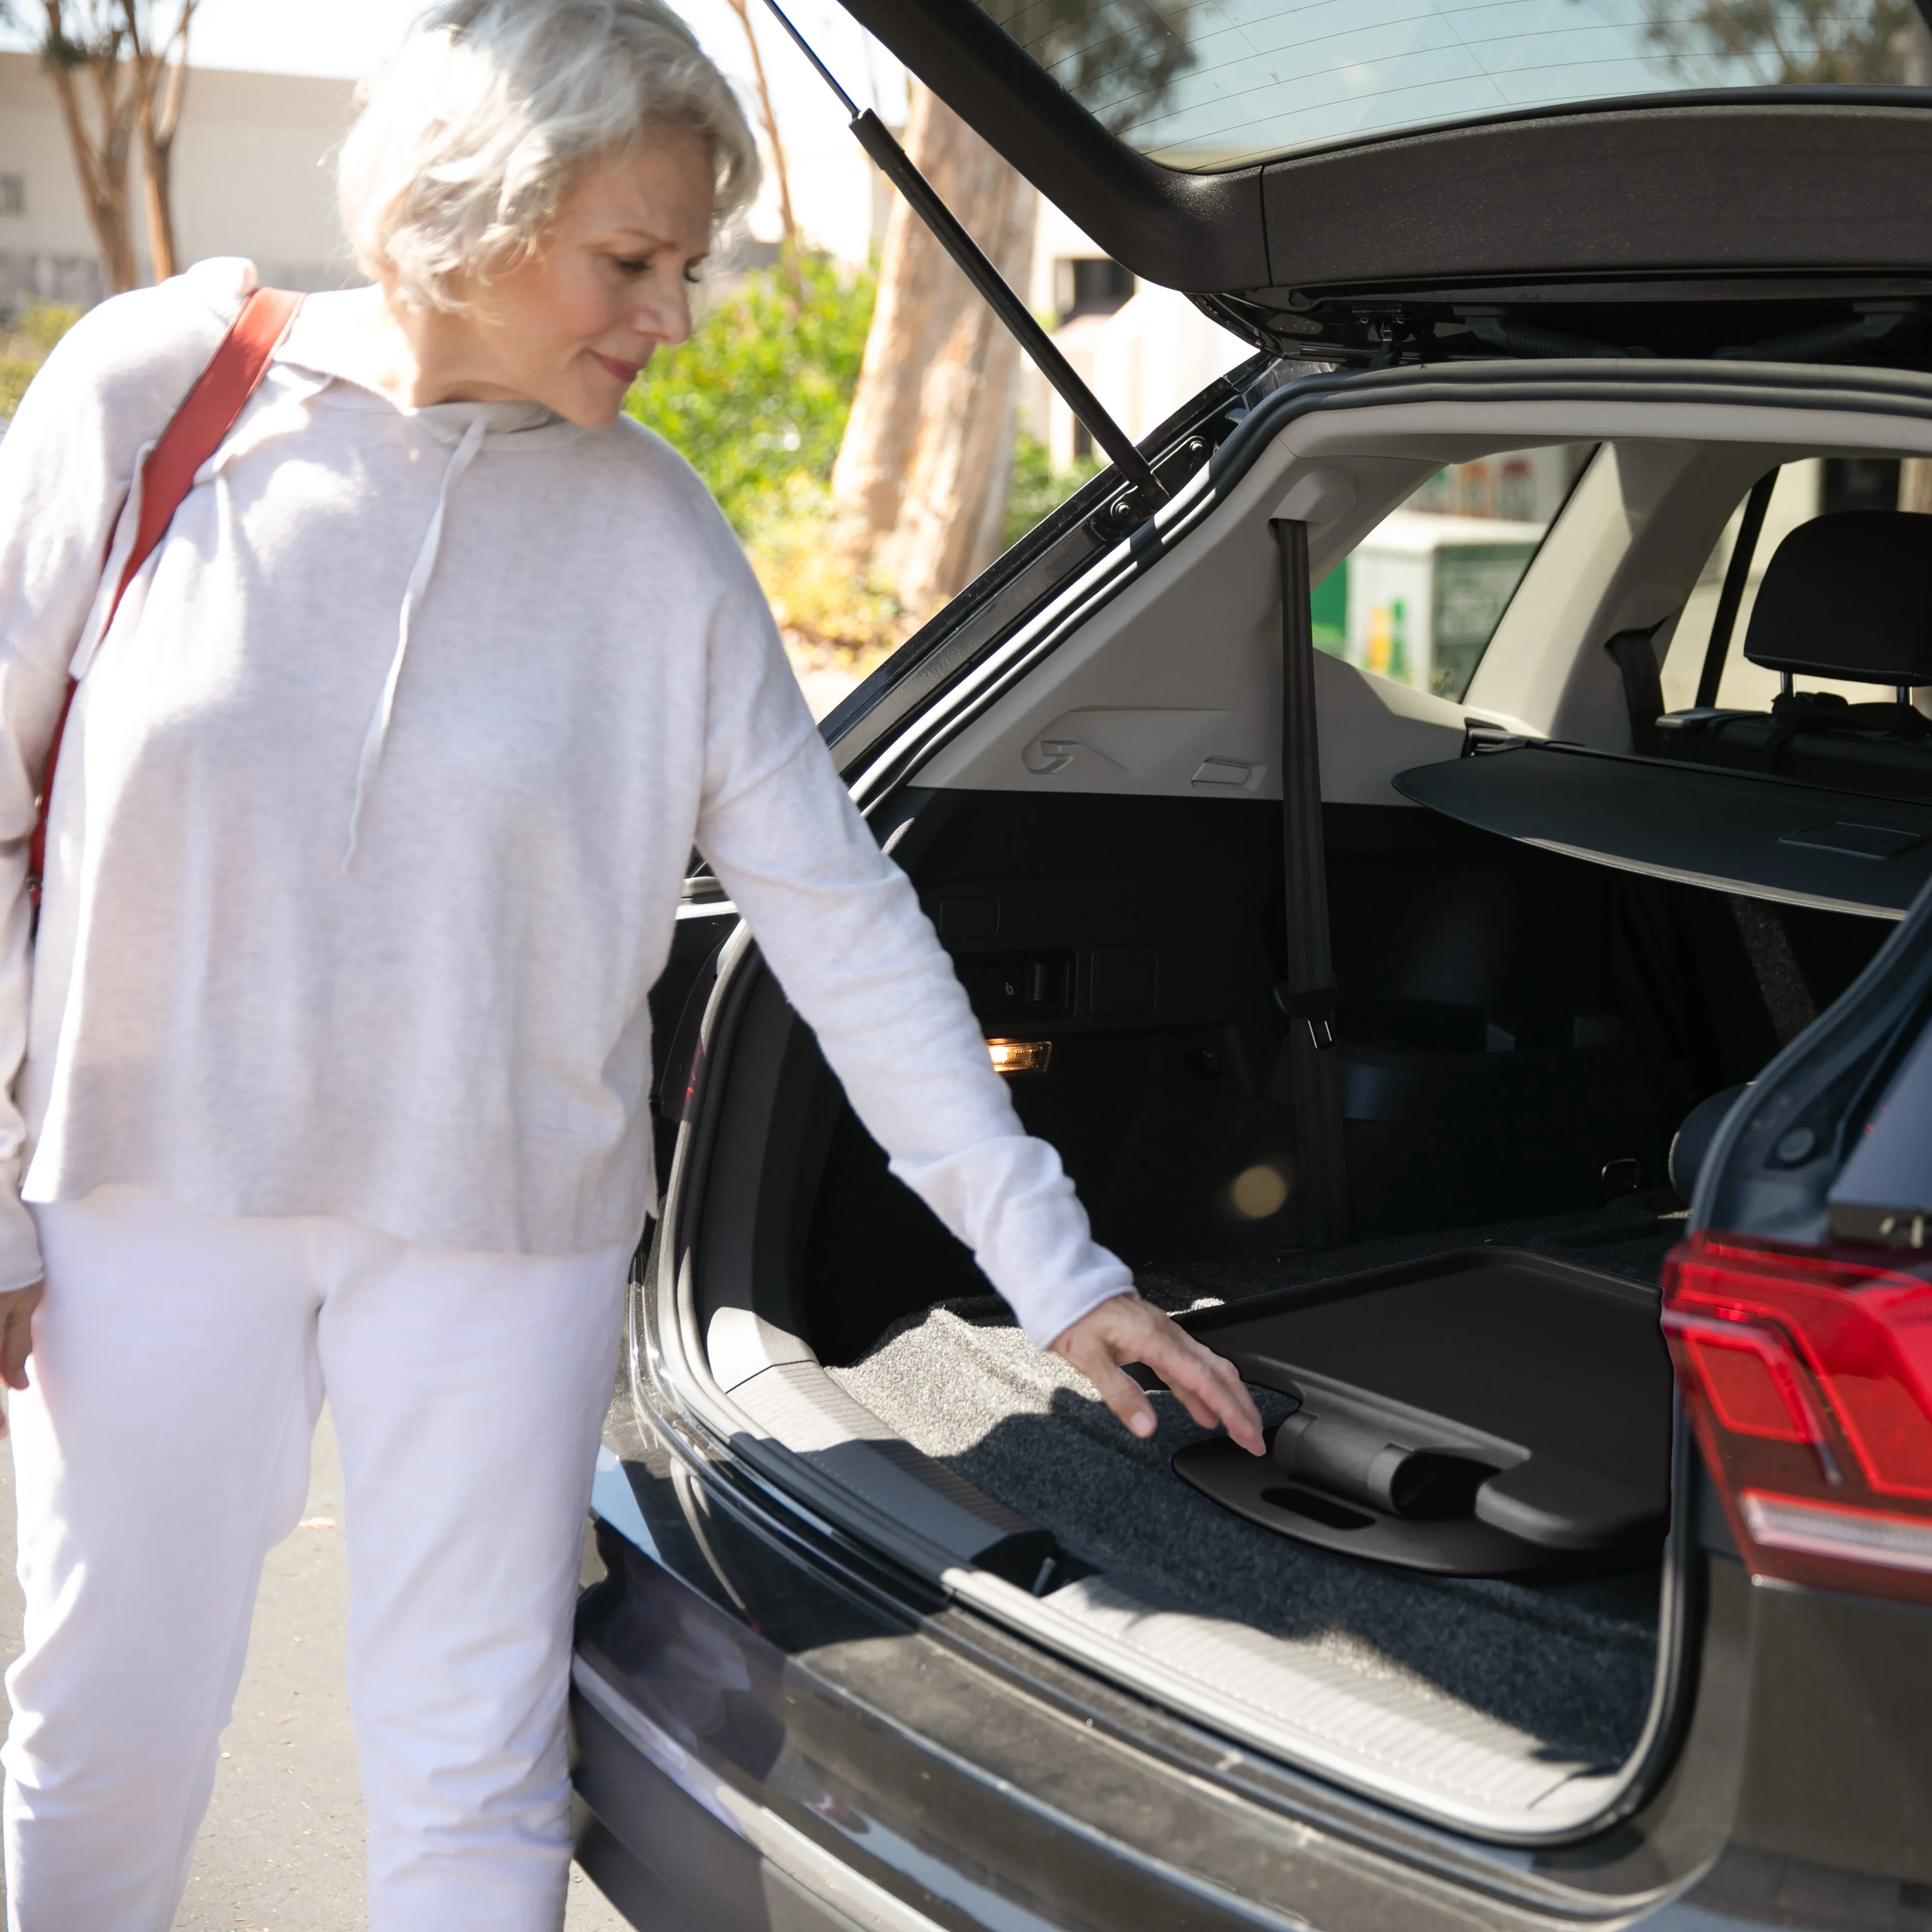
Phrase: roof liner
[1810,181]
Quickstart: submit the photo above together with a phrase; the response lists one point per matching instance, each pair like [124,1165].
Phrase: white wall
[1143,362]
[253,176]
[839,200]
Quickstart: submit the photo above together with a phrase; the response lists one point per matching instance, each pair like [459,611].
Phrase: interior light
[1020,1056]
[1257,1191]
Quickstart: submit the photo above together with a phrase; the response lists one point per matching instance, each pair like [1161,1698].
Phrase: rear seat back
[1847,597]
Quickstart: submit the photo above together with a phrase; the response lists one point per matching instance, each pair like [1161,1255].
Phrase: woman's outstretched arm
[841,927]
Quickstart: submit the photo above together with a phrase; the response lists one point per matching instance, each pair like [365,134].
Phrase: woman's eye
[633,264]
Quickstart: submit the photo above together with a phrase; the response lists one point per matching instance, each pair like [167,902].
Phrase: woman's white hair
[470,138]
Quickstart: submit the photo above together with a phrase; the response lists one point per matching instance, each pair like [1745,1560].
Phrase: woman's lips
[626,373]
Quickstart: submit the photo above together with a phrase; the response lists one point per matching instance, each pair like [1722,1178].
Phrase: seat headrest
[1848,595]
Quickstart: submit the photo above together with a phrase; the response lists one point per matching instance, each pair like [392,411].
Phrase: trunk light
[1020,1056]
[1807,1375]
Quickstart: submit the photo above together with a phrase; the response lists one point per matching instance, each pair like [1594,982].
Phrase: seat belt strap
[1307,995]
[1737,580]
[1635,656]
[194,433]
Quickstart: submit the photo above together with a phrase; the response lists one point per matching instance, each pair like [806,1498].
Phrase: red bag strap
[200,426]
[194,433]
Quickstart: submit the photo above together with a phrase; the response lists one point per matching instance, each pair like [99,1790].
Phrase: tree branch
[768,114]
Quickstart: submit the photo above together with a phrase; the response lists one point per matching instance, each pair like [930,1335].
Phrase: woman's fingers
[1122,1394]
[16,1333]
[16,1337]
[1127,1329]
[1208,1385]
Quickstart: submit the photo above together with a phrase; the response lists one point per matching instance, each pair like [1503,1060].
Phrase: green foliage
[1038,488]
[15,373]
[43,324]
[26,345]
[756,400]
[817,595]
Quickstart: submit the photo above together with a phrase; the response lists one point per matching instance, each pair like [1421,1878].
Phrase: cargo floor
[1567,1665]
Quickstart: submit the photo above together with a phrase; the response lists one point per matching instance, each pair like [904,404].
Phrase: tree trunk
[156,164]
[163,85]
[102,164]
[919,489]
[768,114]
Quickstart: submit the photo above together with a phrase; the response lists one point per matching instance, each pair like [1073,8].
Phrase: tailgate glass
[1205,84]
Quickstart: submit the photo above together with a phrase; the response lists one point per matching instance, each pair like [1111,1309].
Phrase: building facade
[253,176]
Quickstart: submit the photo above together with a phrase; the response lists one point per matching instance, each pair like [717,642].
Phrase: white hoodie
[372,812]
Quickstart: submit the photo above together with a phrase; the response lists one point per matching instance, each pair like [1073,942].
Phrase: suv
[1600,946]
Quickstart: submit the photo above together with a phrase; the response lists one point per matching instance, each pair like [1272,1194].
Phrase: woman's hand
[1127,1329]
[16,1336]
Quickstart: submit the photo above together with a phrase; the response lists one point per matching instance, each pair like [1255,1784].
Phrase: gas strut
[873,135]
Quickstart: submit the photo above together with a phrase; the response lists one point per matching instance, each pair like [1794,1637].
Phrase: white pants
[180,1361]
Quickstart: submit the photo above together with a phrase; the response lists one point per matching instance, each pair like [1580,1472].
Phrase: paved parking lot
[282,1848]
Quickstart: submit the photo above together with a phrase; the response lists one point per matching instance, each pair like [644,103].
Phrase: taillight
[1807,1374]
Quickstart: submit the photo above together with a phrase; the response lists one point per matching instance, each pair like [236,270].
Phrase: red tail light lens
[1807,1374]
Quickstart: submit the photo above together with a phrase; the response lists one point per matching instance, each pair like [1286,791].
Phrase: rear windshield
[1214,83]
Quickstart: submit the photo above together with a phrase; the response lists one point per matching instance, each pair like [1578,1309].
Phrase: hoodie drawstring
[419,577]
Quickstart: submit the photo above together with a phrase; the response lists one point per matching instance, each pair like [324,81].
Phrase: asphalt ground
[281,1849]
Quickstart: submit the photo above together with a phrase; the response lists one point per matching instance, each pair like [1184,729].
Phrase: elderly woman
[330,1055]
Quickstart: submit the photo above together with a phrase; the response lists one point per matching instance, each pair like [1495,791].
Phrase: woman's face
[572,326]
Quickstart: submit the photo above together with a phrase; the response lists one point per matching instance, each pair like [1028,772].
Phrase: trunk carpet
[1570,1663]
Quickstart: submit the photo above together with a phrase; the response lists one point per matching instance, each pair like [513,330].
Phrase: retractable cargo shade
[1536,179]
[1766,837]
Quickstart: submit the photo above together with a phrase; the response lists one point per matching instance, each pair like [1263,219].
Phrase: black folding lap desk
[1489,1412]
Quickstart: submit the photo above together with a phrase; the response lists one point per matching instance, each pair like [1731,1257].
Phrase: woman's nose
[665,314]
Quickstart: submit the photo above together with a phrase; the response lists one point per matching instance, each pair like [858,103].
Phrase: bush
[26,345]
[756,400]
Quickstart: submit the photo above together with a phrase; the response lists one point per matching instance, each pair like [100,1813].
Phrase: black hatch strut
[873,135]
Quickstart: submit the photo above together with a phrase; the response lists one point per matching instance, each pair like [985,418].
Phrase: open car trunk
[1547,957]
[1522,1032]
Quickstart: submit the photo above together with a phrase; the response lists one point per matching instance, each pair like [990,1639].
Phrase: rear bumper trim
[807,1864]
